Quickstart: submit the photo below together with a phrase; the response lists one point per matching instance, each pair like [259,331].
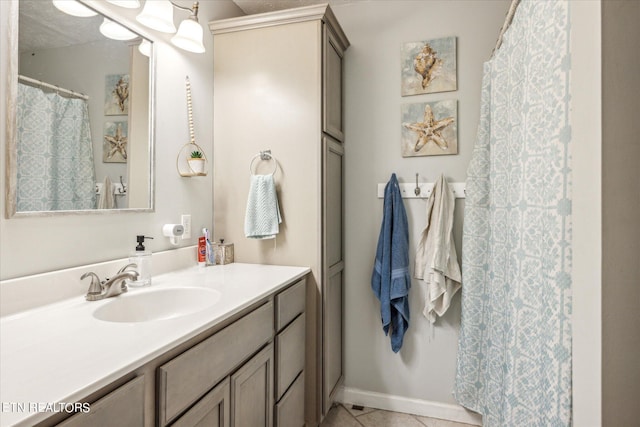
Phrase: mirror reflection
[82,125]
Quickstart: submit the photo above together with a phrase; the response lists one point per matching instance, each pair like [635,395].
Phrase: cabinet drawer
[122,407]
[211,411]
[289,354]
[290,410]
[290,303]
[187,377]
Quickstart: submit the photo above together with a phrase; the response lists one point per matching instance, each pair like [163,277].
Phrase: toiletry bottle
[142,258]
[209,255]
[202,251]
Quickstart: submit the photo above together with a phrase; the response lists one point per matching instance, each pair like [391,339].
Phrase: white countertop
[61,353]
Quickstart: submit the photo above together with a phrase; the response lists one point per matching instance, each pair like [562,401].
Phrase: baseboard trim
[424,408]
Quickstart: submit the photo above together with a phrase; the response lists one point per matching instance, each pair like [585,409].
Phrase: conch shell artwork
[426,63]
[116,95]
[429,66]
[121,92]
[429,128]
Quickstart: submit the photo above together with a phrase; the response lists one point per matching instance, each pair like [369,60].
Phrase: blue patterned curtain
[514,356]
[55,154]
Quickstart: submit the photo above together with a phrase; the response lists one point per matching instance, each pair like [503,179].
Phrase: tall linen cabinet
[278,86]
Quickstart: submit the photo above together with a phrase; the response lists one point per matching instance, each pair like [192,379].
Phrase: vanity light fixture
[158,15]
[115,31]
[145,48]
[190,33]
[73,8]
[129,4]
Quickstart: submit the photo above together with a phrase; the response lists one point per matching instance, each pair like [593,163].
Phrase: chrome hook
[417,189]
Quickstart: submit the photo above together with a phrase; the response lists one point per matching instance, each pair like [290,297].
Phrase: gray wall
[620,207]
[34,245]
[425,367]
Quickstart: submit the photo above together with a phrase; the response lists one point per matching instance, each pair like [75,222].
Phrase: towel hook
[264,155]
[122,188]
[417,189]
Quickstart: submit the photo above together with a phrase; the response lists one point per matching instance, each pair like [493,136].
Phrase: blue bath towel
[390,280]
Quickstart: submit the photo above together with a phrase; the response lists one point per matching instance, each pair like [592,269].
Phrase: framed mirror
[80,113]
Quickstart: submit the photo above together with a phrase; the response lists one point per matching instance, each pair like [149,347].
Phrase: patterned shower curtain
[55,153]
[514,355]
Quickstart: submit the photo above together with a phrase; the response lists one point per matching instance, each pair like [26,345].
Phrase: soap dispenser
[142,258]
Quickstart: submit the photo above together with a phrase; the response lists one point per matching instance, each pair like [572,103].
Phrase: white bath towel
[436,261]
[262,218]
[106,200]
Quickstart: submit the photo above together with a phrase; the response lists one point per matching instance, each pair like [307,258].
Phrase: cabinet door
[123,407]
[211,411]
[332,86]
[252,391]
[333,265]
[290,409]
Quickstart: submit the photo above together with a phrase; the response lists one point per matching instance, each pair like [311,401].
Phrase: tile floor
[346,416]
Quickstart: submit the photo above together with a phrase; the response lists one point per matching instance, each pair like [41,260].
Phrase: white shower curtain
[55,153]
[514,356]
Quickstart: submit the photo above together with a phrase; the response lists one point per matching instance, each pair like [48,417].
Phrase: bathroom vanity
[237,360]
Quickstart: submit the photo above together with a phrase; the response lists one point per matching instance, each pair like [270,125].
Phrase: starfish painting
[430,129]
[117,143]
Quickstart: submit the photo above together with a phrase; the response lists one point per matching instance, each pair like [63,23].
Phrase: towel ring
[264,155]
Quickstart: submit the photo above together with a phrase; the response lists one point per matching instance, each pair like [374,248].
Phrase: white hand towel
[436,260]
[262,219]
[106,200]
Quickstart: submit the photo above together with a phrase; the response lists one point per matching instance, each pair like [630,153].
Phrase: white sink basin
[156,304]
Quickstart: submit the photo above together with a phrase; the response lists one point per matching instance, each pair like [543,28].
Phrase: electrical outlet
[186,223]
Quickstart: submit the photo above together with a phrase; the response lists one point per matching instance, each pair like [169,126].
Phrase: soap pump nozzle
[140,239]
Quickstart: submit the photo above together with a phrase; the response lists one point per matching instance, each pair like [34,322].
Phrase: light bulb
[129,4]
[189,36]
[115,31]
[145,48]
[158,15]
[74,8]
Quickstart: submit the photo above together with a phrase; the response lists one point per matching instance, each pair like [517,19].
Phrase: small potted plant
[196,162]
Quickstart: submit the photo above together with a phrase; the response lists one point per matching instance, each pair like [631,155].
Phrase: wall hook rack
[423,190]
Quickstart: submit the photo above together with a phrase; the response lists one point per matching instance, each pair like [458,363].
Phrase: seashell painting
[116,92]
[429,128]
[429,66]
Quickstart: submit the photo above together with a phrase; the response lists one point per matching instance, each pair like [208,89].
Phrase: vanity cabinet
[248,383]
[247,372]
[278,85]
[183,380]
[127,401]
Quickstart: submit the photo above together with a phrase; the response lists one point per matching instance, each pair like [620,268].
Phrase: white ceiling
[42,26]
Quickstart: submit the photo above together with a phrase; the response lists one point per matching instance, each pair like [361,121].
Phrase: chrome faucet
[110,287]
